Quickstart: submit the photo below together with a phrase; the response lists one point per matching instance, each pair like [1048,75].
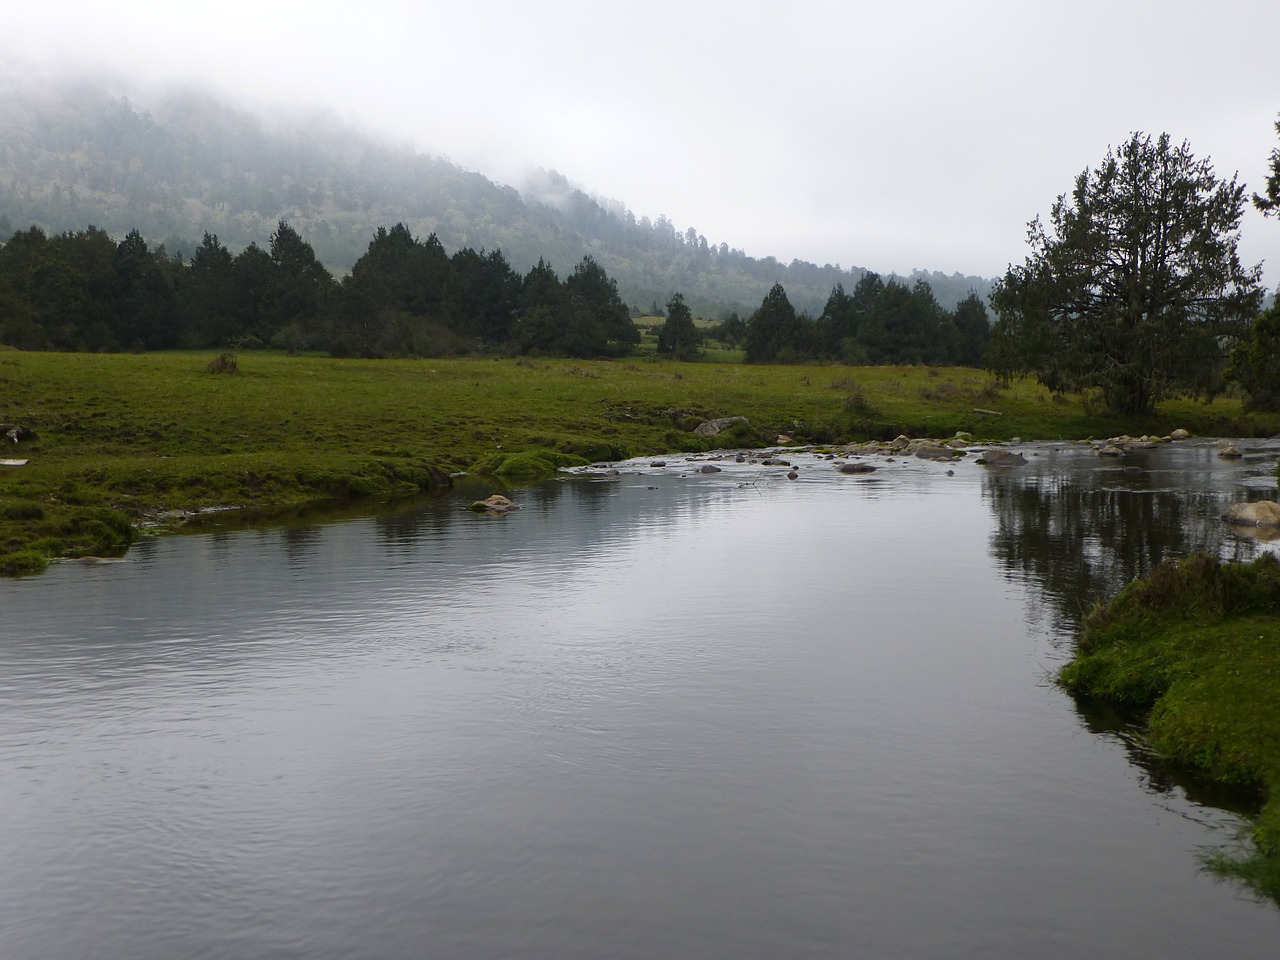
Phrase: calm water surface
[663,715]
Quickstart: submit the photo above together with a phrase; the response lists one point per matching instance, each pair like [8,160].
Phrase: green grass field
[149,433]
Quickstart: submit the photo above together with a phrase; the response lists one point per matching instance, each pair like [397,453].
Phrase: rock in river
[496,503]
[1259,513]
[936,451]
[1002,458]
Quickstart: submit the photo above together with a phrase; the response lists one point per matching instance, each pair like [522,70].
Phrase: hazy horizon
[922,137]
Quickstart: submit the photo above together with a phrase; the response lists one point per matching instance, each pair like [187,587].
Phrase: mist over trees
[879,323]
[211,229]
[83,291]
[187,165]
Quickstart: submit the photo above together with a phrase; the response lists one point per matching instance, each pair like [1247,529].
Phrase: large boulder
[709,428]
[1259,513]
[995,457]
[936,451]
[496,503]
[856,468]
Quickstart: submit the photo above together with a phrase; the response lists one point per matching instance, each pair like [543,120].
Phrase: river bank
[1197,645]
[116,446]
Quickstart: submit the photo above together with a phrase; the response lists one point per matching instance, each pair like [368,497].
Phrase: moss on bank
[526,466]
[33,534]
[1198,643]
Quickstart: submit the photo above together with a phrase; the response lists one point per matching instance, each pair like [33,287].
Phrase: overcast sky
[896,135]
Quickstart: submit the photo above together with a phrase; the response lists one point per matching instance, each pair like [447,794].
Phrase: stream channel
[662,714]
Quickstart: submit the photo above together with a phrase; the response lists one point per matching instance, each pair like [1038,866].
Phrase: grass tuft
[223,363]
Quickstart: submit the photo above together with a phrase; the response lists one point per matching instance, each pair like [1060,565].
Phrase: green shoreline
[119,443]
[1196,646]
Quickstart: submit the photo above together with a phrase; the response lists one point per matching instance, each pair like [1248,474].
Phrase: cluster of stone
[952,448]
[1125,444]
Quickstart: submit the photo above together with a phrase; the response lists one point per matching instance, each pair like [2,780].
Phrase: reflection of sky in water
[712,715]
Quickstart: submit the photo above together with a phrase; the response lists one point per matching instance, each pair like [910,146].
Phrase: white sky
[908,133]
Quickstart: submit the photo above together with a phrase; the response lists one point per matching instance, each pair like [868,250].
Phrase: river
[662,714]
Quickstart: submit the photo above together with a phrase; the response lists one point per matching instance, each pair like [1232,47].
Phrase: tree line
[878,323]
[1133,291]
[177,165]
[83,291]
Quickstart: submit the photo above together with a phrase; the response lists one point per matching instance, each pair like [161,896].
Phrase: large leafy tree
[1135,288]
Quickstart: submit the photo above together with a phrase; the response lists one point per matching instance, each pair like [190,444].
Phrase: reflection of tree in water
[593,494]
[430,516]
[1078,536]
[424,515]
[300,542]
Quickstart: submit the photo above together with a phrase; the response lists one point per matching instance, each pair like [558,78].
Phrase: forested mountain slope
[172,169]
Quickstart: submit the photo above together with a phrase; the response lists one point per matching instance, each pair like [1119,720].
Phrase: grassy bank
[1198,644]
[125,440]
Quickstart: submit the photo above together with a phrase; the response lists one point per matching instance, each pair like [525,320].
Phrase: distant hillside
[186,164]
